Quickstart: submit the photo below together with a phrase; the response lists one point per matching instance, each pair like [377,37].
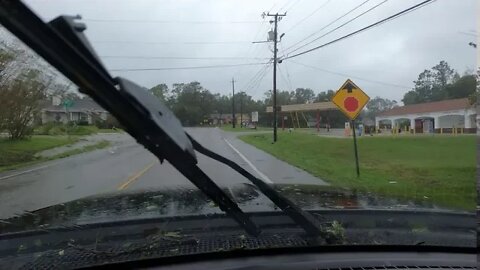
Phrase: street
[127,166]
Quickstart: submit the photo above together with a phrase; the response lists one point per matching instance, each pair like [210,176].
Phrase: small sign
[350,99]
[254,116]
[67,103]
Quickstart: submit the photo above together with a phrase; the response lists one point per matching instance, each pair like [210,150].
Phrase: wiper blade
[302,218]
[62,44]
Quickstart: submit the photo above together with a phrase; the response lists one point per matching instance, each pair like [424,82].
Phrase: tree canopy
[441,82]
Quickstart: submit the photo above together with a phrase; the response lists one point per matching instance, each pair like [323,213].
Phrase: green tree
[20,102]
[440,83]
[463,87]
[283,98]
[160,91]
[191,103]
[302,95]
[325,96]
[378,104]
[443,74]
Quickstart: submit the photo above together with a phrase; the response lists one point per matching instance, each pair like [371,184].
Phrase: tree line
[441,82]
[24,88]
[192,103]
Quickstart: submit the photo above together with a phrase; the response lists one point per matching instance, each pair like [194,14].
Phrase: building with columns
[432,117]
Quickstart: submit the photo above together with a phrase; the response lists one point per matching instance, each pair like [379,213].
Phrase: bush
[61,129]
[43,129]
[57,130]
[82,123]
[82,130]
[16,157]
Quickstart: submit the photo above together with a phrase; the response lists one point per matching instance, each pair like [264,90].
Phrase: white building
[433,116]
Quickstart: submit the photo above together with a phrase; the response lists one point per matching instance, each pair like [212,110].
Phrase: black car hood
[188,201]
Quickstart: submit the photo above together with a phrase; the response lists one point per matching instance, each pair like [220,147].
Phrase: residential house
[81,110]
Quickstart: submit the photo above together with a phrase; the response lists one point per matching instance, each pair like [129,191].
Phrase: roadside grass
[439,169]
[244,129]
[15,153]
[109,130]
[99,145]
[60,129]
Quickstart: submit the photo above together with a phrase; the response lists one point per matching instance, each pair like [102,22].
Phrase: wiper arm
[302,218]
[62,44]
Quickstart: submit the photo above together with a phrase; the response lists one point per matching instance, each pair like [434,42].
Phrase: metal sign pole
[355,148]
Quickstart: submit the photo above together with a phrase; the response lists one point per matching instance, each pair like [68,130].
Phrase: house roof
[437,106]
[80,105]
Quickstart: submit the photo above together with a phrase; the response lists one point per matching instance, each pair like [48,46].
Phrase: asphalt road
[128,166]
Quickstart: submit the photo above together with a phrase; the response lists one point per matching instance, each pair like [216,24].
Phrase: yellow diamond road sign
[350,99]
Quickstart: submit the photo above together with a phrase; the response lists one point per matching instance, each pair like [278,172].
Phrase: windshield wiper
[62,43]
[304,219]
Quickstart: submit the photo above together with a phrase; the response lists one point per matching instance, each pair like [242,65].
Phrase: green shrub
[13,157]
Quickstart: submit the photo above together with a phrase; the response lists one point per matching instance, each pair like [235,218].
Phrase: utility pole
[275,41]
[233,103]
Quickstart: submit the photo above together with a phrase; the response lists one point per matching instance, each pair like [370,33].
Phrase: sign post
[255,118]
[350,99]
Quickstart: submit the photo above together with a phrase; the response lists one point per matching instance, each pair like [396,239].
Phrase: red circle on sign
[350,104]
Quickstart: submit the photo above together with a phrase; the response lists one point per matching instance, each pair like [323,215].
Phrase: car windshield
[351,110]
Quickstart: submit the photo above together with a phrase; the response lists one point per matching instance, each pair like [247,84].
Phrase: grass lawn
[15,153]
[238,129]
[441,168]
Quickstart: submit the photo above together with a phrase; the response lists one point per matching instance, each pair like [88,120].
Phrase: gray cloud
[395,52]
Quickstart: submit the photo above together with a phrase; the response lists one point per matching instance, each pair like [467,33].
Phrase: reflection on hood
[188,201]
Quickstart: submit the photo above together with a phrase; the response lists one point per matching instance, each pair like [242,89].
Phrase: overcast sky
[393,53]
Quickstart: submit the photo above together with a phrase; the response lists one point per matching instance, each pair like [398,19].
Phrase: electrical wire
[340,26]
[256,78]
[350,76]
[330,23]
[285,5]
[170,43]
[183,68]
[394,16]
[285,64]
[179,58]
[166,21]
[257,84]
[284,79]
[308,16]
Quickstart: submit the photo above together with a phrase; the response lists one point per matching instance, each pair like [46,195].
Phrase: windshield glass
[371,117]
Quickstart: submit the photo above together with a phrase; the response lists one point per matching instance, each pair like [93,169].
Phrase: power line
[167,21]
[340,26]
[192,67]
[260,79]
[255,76]
[285,64]
[170,43]
[350,76]
[308,16]
[255,51]
[284,79]
[260,74]
[468,34]
[330,23]
[394,16]
[284,5]
[292,6]
[181,58]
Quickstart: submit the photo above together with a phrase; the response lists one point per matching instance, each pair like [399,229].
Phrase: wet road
[128,166]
